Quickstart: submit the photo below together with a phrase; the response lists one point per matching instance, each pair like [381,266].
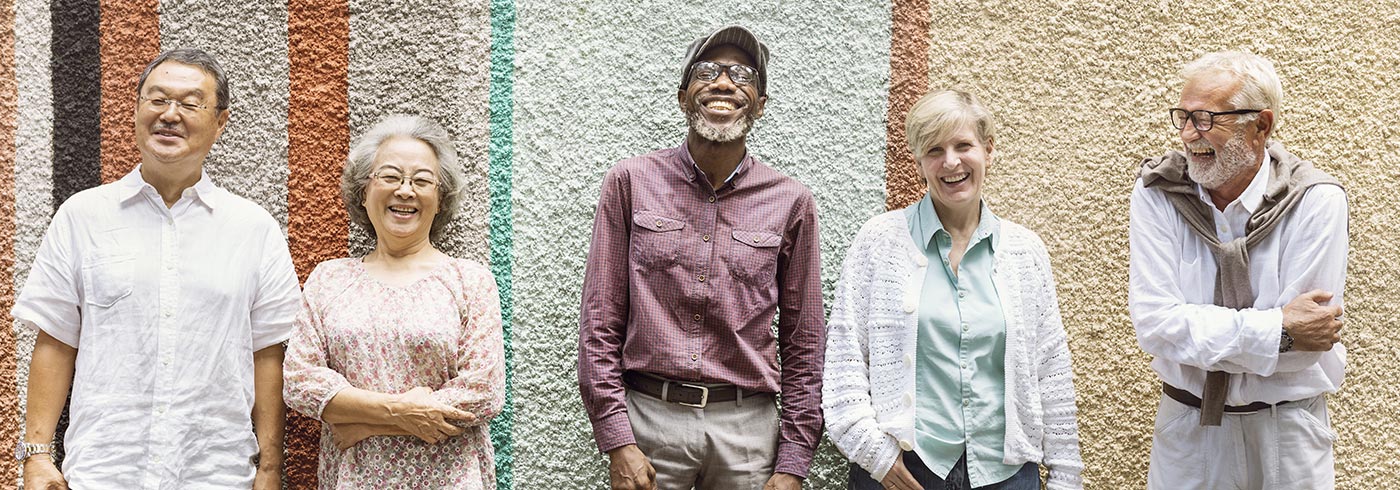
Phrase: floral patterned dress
[442,331]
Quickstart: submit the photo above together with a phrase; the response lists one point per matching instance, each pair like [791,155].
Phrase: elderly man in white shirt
[1238,262]
[165,300]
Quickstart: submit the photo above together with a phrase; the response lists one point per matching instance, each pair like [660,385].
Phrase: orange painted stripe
[318,140]
[909,45]
[9,391]
[130,31]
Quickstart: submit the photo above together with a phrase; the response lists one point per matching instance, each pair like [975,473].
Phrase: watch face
[19,450]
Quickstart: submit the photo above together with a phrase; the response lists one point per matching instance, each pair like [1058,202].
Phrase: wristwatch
[1285,343]
[23,450]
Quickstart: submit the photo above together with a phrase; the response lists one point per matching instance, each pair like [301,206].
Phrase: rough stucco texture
[1080,95]
[596,83]
[9,396]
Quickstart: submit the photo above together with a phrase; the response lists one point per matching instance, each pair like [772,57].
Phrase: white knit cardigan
[868,385]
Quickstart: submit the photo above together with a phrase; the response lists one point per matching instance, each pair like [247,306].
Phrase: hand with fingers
[1313,324]
[899,477]
[783,481]
[41,474]
[629,469]
[418,413]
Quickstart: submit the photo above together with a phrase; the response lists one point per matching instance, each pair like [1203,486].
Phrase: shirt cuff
[794,459]
[1266,327]
[613,431]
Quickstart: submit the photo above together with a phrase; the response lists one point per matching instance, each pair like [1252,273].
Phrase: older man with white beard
[1238,260]
[694,250]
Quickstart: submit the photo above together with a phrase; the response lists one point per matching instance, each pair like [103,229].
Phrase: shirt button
[964,327]
[755,239]
[962,293]
[705,238]
[701,278]
[964,365]
[712,198]
[167,314]
[909,306]
[697,317]
[695,357]
[966,402]
[658,223]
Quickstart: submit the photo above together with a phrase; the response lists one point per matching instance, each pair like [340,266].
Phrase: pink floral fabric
[442,331]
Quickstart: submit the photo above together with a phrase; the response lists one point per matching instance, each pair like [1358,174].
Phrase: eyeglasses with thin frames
[1203,120]
[708,71]
[393,179]
[162,105]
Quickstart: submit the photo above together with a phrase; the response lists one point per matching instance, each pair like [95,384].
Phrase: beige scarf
[1289,178]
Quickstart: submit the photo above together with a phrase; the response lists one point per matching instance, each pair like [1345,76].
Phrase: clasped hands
[414,413]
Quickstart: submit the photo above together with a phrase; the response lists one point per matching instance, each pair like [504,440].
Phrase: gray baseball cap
[740,38]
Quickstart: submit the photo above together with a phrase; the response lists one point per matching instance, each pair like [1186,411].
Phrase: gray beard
[1229,161]
[719,134]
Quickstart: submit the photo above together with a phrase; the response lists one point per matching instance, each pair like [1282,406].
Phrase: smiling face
[406,211]
[178,138]
[721,110]
[1220,156]
[955,169]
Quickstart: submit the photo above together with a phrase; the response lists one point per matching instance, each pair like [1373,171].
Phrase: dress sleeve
[480,384]
[308,383]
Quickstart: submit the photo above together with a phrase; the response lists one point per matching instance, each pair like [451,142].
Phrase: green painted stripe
[502,241]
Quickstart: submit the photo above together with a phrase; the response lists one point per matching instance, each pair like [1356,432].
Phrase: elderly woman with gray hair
[946,363]
[399,353]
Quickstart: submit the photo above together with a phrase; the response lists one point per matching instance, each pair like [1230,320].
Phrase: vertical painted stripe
[77,95]
[250,158]
[433,61]
[9,391]
[33,159]
[318,141]
[502,154]
[130,31]
[909,45]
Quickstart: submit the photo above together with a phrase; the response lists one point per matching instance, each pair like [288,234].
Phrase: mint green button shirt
[960,377]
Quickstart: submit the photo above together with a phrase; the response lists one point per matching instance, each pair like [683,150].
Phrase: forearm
[369,430]
[358,406]
[269,413]
[50,377]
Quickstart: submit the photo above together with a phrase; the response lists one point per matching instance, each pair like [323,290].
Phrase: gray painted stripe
[250,40]
[433,61]
[33,155]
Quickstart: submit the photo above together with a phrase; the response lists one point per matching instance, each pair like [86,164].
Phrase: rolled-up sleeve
[51,299]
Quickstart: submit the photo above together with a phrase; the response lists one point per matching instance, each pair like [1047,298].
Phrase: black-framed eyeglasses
[1203,120]
[162,105]
[708,71]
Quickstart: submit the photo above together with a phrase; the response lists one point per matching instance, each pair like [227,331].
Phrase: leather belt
[696,395]
[1186,398]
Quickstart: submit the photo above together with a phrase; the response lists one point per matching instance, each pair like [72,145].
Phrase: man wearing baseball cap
[694,250]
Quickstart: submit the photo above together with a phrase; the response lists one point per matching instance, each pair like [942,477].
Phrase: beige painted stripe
[130,31]
[9,390]
[909,45]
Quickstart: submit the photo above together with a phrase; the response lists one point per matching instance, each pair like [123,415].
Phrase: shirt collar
[1253,195]
[924,224]
[693,170]
[132,185]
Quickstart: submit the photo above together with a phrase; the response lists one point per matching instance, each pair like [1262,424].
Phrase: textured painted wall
[1081,91]
[596,82]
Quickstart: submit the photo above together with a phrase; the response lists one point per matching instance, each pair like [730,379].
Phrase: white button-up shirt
[1171,293]
[165,307]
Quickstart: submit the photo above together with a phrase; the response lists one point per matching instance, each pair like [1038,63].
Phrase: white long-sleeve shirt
[1172,289]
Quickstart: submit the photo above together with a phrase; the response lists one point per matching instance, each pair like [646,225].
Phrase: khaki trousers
[1286,447]
[726,445]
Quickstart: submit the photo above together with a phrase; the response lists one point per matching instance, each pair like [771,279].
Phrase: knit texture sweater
[868,383]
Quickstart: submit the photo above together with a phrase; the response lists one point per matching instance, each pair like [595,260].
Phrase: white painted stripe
[250,40]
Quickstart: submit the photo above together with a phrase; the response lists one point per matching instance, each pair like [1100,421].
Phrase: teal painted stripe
[502,154]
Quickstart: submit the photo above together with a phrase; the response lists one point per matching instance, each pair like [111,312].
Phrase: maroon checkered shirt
[683,282]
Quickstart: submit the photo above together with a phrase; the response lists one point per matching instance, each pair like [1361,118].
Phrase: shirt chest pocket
[108,279]
[656,241]
[753,258]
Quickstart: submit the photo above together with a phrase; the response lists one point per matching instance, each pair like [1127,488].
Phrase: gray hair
[194,57]
[357,168]
[939,113]
[1259,83]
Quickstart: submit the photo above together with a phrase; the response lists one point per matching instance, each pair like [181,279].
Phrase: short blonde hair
[940,113]
[1260,87]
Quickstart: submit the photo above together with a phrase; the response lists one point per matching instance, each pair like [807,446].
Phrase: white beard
[1229,161]
[719,134]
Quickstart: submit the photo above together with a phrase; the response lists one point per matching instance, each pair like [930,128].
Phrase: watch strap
[1285,343]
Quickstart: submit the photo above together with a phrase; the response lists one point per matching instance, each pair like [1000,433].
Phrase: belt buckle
[704,396]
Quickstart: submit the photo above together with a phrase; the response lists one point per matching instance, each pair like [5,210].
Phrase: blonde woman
[946,364]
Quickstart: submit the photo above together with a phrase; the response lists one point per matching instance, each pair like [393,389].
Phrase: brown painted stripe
[318,140]
[130,31]
[9,101]
[909,45]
